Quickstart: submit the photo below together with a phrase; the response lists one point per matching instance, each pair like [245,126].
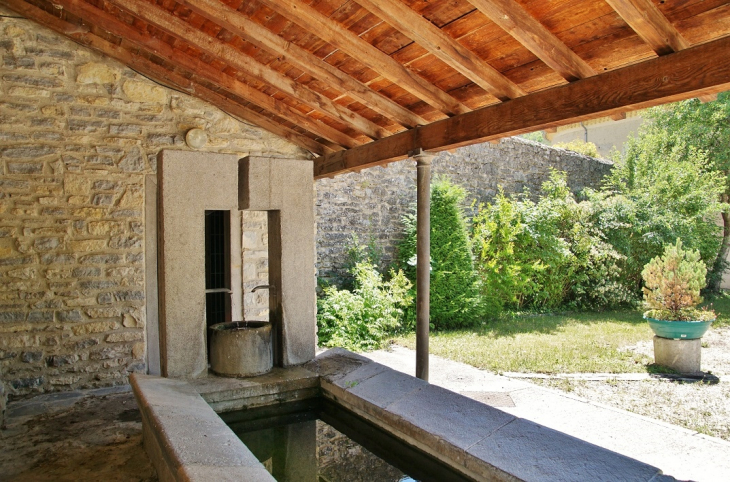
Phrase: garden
[555,284]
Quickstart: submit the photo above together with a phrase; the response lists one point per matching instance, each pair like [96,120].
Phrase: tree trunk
[721,263]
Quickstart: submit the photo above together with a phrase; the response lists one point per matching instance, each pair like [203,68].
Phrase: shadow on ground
[96,438]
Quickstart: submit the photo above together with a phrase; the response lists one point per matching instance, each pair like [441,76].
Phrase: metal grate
[217,267]
[215,249]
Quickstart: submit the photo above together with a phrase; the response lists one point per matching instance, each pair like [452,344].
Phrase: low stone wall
[372,202]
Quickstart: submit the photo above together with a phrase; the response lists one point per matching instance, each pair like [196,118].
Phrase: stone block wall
[372,202]
[78,135]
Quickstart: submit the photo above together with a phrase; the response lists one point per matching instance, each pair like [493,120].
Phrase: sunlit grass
[576,343]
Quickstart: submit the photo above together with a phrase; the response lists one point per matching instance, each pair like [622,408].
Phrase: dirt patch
[699,406]
[97,438]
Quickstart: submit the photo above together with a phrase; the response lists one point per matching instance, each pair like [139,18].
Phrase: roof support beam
[180,29]
[236,22]
[443,46]
[517,22]
[357,48]
[702,69]
[157,47]
[650,24]
[161,74]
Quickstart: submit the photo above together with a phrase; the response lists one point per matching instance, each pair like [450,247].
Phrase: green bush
[656,194]
[357,252]
[363,318]
[454,294]
[544,255]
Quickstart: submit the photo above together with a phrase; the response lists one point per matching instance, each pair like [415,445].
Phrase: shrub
[579,146]
[454,294]
[543,255]
[361,319]
[673,284]
[357,252]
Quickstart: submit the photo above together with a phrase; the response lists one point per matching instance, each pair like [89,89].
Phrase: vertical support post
[423,263]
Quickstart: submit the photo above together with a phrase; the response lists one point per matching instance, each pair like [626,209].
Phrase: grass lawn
[574,343]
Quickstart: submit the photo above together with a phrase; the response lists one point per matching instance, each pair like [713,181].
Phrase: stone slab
[185,438]
[218,389]
[189,184]
[481,441]
[532,452]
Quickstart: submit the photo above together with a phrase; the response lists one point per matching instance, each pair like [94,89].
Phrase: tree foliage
[673,283]
[453,295]
[660,190]
[580,146]
[686,130]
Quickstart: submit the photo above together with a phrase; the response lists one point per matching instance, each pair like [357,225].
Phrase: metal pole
[423,264]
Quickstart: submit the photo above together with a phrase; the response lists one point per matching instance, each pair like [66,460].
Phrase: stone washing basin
[241,348]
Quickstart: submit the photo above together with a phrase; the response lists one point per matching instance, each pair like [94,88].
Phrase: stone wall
[372,202]
[78,134]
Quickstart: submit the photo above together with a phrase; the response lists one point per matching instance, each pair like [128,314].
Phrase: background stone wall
[78,134]
[372,202]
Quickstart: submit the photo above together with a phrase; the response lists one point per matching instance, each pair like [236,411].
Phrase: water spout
[262,287]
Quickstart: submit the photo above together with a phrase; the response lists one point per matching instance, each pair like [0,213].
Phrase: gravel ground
[697,406]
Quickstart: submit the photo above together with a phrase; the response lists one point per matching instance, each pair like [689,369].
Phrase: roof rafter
[335,34]
[234,21]
[180,29]
[450,51]
[194,66]
[516,21]
[650,24]
[144,66]
[698,70]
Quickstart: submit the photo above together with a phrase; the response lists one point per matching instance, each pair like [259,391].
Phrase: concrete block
[681,355]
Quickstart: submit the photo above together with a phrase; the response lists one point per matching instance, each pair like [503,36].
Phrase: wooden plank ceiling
[364,82]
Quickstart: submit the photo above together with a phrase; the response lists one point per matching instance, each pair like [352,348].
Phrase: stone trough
[186,439]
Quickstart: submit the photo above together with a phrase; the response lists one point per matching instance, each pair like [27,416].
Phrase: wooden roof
[365,82]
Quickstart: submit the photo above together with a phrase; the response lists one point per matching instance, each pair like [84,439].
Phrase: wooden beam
[618,116]
[236,22]
[707,98]
[517,22]
[154,71]
[650,24]
[364,52]
[157,47]
[228,54]
[698,70]
[443,46]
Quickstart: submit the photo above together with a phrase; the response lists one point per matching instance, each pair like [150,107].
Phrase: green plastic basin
[679,330]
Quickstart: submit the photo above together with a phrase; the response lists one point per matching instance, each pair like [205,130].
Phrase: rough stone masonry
[78,134]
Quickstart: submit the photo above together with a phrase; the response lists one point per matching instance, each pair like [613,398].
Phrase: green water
[321,442]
